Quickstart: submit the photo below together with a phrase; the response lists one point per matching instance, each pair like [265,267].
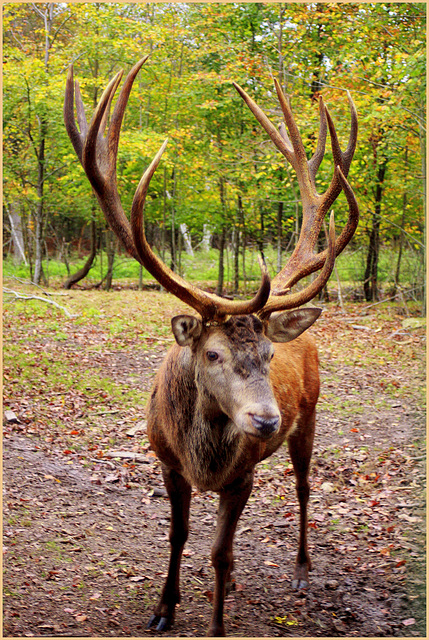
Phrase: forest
[85,327]
[222,192]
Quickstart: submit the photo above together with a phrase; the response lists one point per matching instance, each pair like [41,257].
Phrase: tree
[219,168]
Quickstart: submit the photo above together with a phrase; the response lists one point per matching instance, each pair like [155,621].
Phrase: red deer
[242,376]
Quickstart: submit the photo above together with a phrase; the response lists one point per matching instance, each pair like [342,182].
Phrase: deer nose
[265,426]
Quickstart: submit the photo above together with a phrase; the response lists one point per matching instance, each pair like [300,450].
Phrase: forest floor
[85,533]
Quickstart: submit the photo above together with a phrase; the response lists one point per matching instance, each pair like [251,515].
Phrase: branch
[58,30]
[19,296]
[37,10]
[374,304]
[398,227]
[30,284]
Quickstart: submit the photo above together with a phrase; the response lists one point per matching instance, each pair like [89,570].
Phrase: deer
[242,375]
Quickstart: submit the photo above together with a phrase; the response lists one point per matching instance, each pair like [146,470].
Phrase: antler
[98,155]
[303,260]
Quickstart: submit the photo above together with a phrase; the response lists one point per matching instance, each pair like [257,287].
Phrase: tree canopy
[219,168]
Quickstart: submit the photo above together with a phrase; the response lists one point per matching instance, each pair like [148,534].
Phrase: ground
[86,544]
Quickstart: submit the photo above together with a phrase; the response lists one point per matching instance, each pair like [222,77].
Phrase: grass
[203,267]
[57,370]
[58,379]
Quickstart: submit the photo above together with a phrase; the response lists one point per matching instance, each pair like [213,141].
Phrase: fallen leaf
[327,487]
[112,477]
[81,617]
[140,426]
[49,477]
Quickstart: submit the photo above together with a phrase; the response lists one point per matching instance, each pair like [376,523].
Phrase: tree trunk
[173,259]
[239,227]
[179,254]
[262,223]
[279,235]
[370,282]
[401,237]
[173,263]
[186,238]
[141,278]
[207,237]
[110,251]
[48,16]
[324,293]
[16,232]
[236,251]
[401,243]
[370,285]
[243,256]
[83,272]
[64,255]
[221,272]
[39,214]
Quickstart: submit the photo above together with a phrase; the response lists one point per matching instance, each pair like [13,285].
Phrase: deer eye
[212,356]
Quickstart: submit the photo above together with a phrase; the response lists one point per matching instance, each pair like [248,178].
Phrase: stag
[242,376]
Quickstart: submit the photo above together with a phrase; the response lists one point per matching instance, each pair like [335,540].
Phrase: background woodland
[223,191]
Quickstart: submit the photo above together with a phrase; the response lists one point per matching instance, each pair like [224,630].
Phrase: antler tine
[315,161]
[98,157]
[274,134]
[69,119]
[351,146]
[121,103]
[95,159]
[209,306]
[303,261]
[305,169]
[105,117]
[299,158]
[342,159]
[80,111]
[291,301]
[347,232]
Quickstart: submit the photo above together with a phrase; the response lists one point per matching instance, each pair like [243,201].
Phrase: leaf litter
[85,513]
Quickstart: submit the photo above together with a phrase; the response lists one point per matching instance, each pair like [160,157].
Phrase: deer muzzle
[265,426]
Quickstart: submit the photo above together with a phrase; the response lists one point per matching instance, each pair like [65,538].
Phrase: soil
[86,546]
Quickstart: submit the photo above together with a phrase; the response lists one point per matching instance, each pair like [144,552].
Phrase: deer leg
[179,492]
[300,448]
[233,499]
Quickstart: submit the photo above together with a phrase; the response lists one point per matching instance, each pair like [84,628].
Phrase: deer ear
[186,329]
[288,325]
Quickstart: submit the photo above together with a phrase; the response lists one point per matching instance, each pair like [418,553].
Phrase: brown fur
[200,444]
[171,416]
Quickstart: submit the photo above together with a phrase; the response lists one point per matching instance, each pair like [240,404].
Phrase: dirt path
[86,541]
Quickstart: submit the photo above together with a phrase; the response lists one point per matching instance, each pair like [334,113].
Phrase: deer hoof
[300,584]
[216,632]
[161,622]
[153,620]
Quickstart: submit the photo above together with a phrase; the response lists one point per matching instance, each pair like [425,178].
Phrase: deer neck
[213,444]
